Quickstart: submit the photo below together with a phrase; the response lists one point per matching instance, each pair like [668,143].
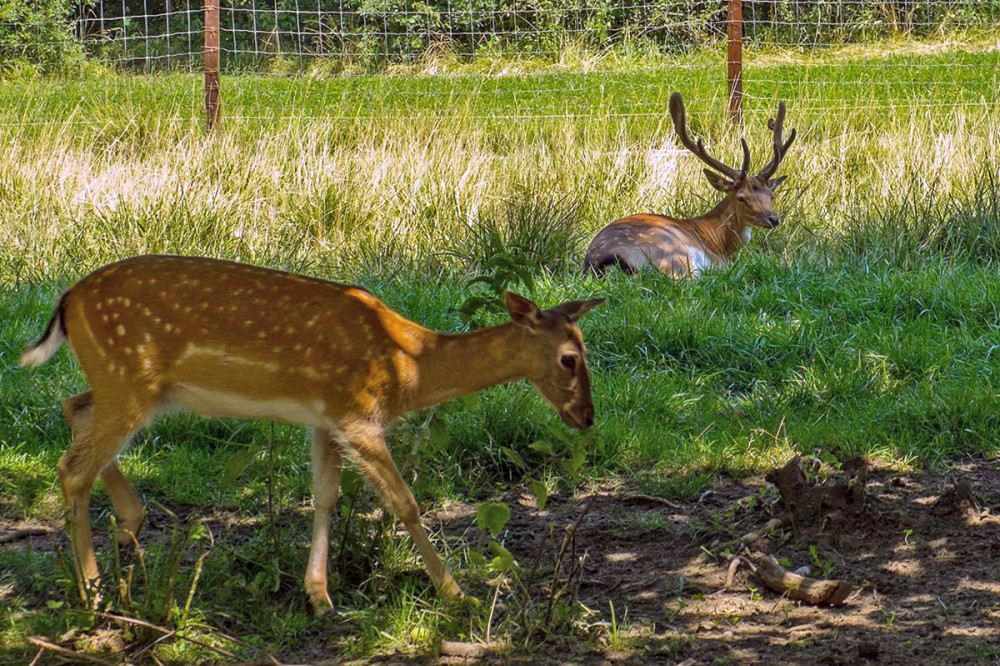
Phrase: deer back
[212,331]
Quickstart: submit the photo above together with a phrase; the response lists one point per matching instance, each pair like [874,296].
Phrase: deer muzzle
[580,417]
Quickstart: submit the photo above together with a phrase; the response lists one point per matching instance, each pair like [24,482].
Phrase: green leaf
[437,434]
[195,532]
[574,463]
[349,482]
[485,279]
[515,457]
[476,558]
[236,465]
[541,493]
[492,515]
[542,446]
[503,560]
[528,278]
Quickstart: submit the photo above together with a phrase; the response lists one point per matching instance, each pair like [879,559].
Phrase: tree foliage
[37,35]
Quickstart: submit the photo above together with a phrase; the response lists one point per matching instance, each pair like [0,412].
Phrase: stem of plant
[489,620]
[275,532]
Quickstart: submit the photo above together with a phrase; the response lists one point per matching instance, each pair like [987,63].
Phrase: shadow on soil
[926,572]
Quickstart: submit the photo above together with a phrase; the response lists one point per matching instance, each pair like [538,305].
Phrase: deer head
[751,197]
[560,372]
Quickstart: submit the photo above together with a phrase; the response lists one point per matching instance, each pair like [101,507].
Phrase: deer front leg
[327,461]
[368,445]
[128,506]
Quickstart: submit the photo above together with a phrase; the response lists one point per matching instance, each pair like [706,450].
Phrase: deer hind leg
[78,411]
[327,462]
[372,455]
[94,446]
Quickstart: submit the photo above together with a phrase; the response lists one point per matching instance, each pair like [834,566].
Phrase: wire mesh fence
[795,49]
[147,36]
[166,33]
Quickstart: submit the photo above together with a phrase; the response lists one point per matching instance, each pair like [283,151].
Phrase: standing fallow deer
[227,339]
[682,247]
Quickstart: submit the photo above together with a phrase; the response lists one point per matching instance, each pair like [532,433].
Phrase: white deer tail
[53,337]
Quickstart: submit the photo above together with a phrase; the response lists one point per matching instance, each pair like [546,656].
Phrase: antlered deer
[681,247]
[227,339]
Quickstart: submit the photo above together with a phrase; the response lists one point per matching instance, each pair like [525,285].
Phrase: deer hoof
[129,531]
[320,602]
[451,590]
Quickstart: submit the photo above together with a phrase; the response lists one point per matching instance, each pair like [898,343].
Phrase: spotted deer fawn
[683,247]
[227,339]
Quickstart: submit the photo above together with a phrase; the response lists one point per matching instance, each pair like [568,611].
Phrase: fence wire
[787,42]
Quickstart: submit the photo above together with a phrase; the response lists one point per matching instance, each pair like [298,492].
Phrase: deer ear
[775,183]
[718,181]
[576,309]
[522,311]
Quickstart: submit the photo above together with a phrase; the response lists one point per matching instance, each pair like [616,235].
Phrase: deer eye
[568,361]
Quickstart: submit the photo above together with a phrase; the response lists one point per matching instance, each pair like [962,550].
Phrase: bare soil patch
[920,552]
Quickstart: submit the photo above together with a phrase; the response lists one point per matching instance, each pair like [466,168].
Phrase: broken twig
[460,649]
[25,533]
[769,526]
[66,652]
[652,498]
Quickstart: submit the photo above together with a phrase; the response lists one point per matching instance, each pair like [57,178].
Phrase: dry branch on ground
[817,591]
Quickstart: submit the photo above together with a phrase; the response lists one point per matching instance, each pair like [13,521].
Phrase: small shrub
[36,36]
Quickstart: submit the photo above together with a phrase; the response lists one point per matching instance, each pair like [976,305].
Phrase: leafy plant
[506,249]
[492,515]
[824,566]
[564,455]
[502,272]
[37,34]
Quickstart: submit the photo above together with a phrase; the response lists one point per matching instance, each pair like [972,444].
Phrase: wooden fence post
[211,62]
[734,55]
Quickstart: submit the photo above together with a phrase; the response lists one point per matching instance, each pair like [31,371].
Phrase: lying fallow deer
[681,247]
[227,339]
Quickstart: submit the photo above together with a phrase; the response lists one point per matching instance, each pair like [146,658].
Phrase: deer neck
[451,366]
[721,229]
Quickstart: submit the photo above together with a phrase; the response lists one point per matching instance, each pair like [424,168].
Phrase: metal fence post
[211,62]
[734,55]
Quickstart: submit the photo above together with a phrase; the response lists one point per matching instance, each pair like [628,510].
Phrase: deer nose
[772,219]
[588,416]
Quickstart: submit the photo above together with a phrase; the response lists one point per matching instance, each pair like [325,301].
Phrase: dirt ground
[925,568]
[923,564]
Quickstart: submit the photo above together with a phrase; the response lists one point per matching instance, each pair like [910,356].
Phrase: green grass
[866,325]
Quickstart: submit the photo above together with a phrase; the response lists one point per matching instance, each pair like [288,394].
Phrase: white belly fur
[212,403]
[698,260]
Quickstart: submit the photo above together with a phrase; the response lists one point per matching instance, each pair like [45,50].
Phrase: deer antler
[680,125]
[775,124]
